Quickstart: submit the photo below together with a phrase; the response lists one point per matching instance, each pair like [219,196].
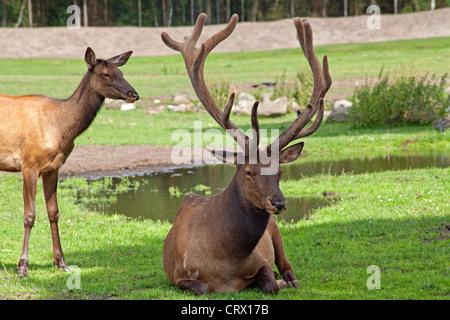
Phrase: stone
[113,104]
[277,107]
[339,114]
[244,104]
[182,108]
[442,124]
[183,97]
[342,103]
[127,106]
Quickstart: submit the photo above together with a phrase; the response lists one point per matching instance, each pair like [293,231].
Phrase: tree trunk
[105,12]
[228,10]
[164,13]
[139,13]
[169,22]
[192,13]
[255,10]
[30,13]
[4,13]
[85,15]
[324,8]
[345,8]
[208,11]
[22,9]
[218,20]
[242,10]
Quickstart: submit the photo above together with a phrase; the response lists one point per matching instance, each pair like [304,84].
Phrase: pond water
[158,196]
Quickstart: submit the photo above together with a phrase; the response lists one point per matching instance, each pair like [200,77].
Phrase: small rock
[441,124]
[182,98]
[182,107]
[127,107]
[342,103]
[339,114]
[274,108]
[244,104]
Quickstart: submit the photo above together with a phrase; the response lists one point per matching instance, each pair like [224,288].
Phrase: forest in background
[149,13]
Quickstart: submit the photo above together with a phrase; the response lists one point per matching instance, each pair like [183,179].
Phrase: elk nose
[279,205]
[134,95]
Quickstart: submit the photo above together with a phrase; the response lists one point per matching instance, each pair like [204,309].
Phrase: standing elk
[229,241]
[37,134]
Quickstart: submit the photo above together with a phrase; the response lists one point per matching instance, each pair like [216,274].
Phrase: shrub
[408,100]
[299,89]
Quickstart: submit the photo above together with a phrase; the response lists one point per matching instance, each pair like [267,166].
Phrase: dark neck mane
[245,224]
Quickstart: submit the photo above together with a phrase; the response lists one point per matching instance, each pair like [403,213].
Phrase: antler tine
[194,59]
[322,82]
[255,123]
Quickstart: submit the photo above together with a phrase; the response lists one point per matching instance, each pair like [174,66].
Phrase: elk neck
[80,109]
[244,222]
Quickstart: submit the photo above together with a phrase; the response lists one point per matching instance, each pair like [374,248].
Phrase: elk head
[258,170]
[106,79]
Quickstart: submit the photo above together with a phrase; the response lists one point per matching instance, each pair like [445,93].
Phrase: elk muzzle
[275,205]
[132,96]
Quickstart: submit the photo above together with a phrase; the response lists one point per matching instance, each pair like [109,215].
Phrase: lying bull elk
[37,134]
[229,241]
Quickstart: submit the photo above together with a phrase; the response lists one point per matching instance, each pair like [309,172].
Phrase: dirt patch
[60,42]
[97,161]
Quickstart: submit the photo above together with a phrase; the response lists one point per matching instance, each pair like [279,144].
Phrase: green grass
[390,219]
[393,220]
[165,75]
[125,128]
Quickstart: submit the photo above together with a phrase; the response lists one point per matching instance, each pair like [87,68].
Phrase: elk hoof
[281,284]
[62,265]
[22,268]
[294,284]
[23,272]
[272,287]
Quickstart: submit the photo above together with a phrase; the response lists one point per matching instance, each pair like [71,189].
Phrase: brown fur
[37,134]
[229,241]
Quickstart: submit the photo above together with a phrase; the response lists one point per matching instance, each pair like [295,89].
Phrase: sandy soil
[97,161]
[61,42]
[93,161]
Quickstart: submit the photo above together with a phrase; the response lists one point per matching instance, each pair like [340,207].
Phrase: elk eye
[106,75]
[248,174]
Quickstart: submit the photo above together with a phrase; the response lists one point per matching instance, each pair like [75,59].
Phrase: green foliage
[219,90]
[299,88]
[408,100]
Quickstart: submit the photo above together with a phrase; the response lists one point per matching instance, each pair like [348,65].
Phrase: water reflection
[158,196]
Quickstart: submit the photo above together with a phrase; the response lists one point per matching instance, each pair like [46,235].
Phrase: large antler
[322,82]
[194,59]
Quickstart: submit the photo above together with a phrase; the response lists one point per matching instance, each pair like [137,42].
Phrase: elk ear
[89,57]
[121,59]
[225,156]
[291,153]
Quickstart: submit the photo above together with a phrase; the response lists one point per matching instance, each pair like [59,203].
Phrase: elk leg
[283,265]
[196,286]
[266,279]
[50,182]
[29,196]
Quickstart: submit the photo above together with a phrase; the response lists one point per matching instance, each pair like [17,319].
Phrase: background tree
[150,13]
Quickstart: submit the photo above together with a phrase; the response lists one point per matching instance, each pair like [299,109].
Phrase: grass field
[165,75]
[394,220]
